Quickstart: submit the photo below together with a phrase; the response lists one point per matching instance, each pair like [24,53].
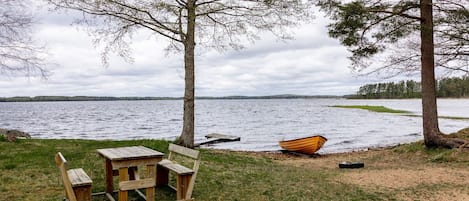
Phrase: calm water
[259,123]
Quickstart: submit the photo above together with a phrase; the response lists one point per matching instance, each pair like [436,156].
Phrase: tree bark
[431,131]
[429,105]
[187,136]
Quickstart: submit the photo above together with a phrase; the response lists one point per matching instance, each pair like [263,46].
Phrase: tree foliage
[369,27]
[214,24]
[402,89]
[448,87]
[454,87]
[18,53]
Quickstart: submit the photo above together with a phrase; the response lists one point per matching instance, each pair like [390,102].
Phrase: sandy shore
[412,175]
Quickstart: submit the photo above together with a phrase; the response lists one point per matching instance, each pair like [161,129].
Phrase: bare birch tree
[218,24]
[18,54]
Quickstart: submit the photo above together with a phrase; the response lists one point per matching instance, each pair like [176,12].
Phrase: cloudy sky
[311,64]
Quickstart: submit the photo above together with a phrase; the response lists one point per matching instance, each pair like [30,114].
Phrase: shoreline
[279,154]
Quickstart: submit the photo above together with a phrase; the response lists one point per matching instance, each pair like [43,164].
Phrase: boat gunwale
[303,138]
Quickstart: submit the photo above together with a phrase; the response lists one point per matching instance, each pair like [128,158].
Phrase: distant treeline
[456,87]
[110,98]
[78,98]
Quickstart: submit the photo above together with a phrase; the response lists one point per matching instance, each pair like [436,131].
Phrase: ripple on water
[259,123]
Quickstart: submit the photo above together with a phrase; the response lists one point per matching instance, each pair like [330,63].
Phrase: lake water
[259,123]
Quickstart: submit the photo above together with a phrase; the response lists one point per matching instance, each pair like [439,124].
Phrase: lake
[259,123]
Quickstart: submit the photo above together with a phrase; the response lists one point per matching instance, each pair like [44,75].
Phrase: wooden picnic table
[125,160]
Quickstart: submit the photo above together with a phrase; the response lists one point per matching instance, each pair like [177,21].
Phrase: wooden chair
[185,179]
[77,183]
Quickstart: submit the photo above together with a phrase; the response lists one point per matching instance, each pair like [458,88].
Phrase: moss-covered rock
[12,135]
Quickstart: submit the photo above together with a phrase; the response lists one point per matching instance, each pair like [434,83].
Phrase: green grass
[381,109]
[28,172]
[433,155]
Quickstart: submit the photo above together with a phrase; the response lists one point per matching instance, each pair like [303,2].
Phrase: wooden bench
[77,183]
[185,177]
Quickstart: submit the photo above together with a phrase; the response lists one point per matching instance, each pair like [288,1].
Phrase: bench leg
[182,186]
[83,193]
[162,176]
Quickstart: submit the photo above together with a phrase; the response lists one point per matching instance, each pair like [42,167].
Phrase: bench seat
[177,168]
[78,177]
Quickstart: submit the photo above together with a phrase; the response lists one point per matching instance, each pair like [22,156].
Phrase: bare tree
[423,34]
[18,54]
[218,24]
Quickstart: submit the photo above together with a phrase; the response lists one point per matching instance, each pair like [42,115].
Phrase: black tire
[351,165]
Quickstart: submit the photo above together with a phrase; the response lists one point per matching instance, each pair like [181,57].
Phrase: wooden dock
[217,138]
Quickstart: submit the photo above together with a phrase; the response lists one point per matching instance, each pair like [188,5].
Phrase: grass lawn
[407,172]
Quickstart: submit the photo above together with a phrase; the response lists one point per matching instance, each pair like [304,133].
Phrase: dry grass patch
[407,178]
[409,172]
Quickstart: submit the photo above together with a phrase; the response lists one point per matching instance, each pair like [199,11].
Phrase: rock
[11,138]
[12,135]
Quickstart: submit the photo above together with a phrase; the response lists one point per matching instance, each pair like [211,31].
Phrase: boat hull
[307,145]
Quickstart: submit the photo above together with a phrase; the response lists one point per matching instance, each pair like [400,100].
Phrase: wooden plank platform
[218,138]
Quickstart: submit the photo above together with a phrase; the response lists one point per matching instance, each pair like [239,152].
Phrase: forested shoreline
[455,87]
[110,98]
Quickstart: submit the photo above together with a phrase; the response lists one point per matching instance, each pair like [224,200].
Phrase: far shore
[137,98]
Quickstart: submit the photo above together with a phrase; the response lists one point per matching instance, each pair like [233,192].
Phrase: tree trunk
[429,106]
[187,136]
[431,132]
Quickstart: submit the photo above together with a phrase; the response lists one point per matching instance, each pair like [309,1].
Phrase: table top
[126,153]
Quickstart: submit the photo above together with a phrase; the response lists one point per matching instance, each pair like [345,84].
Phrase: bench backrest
[62,165]
[189,153]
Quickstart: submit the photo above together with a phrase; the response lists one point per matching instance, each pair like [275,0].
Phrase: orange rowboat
[307,145]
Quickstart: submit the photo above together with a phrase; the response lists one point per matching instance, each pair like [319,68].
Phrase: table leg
[123,176]
[109,181]
[151,173]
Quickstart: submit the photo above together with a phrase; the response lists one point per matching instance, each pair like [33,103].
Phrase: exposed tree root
[448,141]
[454,142]
[465,146]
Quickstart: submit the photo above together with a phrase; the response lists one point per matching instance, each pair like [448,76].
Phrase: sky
[310,64]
